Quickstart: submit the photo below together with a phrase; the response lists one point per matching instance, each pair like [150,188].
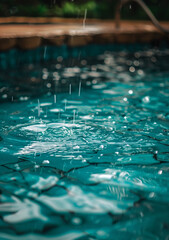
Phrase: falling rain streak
[45,50]
[74,116]
[65,101]
[55,99]
[38,108]
[84,19]
[80,84]
[70,89]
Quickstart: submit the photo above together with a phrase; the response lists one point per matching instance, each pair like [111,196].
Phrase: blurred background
[76,8]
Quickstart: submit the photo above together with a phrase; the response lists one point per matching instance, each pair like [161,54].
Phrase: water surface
[84,148]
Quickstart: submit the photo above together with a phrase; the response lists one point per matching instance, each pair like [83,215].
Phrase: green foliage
[34,11]
[70,9]
[95,9]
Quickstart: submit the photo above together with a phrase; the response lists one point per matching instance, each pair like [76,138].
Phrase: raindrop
[38,108]
[58,66]
[60,59]
[45,162]
[152,194]
[37,166]
[80,84]
[160,172]
[65,101]
[76,221]
[48,85]
[101,146]
[74,116]
[146,99]
[44,55]
[83,62]
[70,89]
[76,147]
[55,98]
[140,72]
[4,96]
[130,92]
[132,69]
[84,20]
[136,63]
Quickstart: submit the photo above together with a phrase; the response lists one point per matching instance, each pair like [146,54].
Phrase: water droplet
[76,221]
[58,66]
[45,49]
[80,84]
[60,59]
[102,234]
[140,72]
[4,96]
[70,89]
[39,108]
[151,195]
[130,92]
[146,99]
[136,63]
[65,101]
[46,162]
[83,62]
[37,166]
[48,85]
[54,98]
[76,147]
[132,69]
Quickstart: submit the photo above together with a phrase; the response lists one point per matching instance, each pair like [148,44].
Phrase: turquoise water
[84,148]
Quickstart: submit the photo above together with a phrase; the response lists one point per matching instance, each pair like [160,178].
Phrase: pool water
[84,148]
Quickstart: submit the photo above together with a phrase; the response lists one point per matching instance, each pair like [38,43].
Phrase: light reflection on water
[91,165]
